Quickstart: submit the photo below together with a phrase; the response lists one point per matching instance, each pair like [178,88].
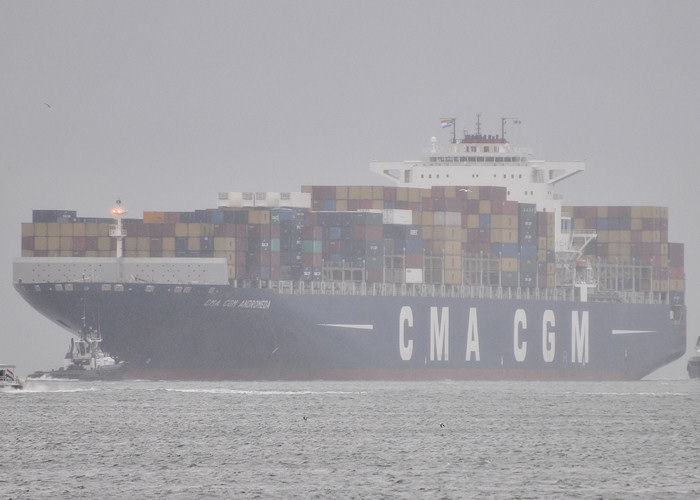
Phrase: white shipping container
[397,216]
[264,200]
[414,275]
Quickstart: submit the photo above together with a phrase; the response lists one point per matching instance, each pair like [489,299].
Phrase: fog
[165,104]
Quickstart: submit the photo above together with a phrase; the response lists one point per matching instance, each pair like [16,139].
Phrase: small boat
[87,361]
[8,379]
[694,362]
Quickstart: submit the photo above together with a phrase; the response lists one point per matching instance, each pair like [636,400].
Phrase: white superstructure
[485,160]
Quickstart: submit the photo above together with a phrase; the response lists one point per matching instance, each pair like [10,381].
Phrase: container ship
[463,265]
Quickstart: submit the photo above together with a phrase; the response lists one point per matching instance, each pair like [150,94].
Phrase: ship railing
[419,290]
[457,291]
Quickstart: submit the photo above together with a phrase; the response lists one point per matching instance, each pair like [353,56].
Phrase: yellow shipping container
[66,243]
[168,253]
[414,195]
[224,244]
[92,229]
[659,285]
[153,217]
[54,243]
[504,236]
[485,206]
[65,253]
[254,217]
[104,244]
[636,224]
[341,205]
[427,233]
[27,229]
[27,253]
[53,229]
[453,247]
[377,205]
[181,229]
[427,218]
[41,243]
[341,192]
[401,194]
[453,262]
[103,229]
[194,230]
[168,244]
[193,244]
[509,264]
[92,253]
[677,285]
[450,191]
[366,192]
[580,224]
[378,193]
[41,229]
[79,229]
[354,193]
[473,221]
[602,212]
[501,221]
[130,244]
[453,277]
[143,243]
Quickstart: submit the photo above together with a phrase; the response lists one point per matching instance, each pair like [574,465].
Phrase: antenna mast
[516,121]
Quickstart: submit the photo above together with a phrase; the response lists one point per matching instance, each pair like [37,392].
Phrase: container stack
[376,234]
[637,235]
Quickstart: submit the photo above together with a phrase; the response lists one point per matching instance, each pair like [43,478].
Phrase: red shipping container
[414,260]
[79,243]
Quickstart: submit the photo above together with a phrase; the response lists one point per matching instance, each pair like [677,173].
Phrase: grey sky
[165,104]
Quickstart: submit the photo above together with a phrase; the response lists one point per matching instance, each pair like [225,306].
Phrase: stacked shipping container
[376,234]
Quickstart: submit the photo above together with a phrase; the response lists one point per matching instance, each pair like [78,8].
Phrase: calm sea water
[137,439]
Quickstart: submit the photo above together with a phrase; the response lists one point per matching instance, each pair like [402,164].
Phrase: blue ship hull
[224,332]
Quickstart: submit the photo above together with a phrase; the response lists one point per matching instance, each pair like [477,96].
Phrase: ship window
[486,149]
[59,287]
[178,289]
[69,287]
[520,176]
[106,287]
[150,288]
[37,288]
[119,287]
[187,289]
[495,149]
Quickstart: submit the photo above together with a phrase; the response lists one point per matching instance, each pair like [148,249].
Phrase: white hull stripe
[626,332]
[357,327]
